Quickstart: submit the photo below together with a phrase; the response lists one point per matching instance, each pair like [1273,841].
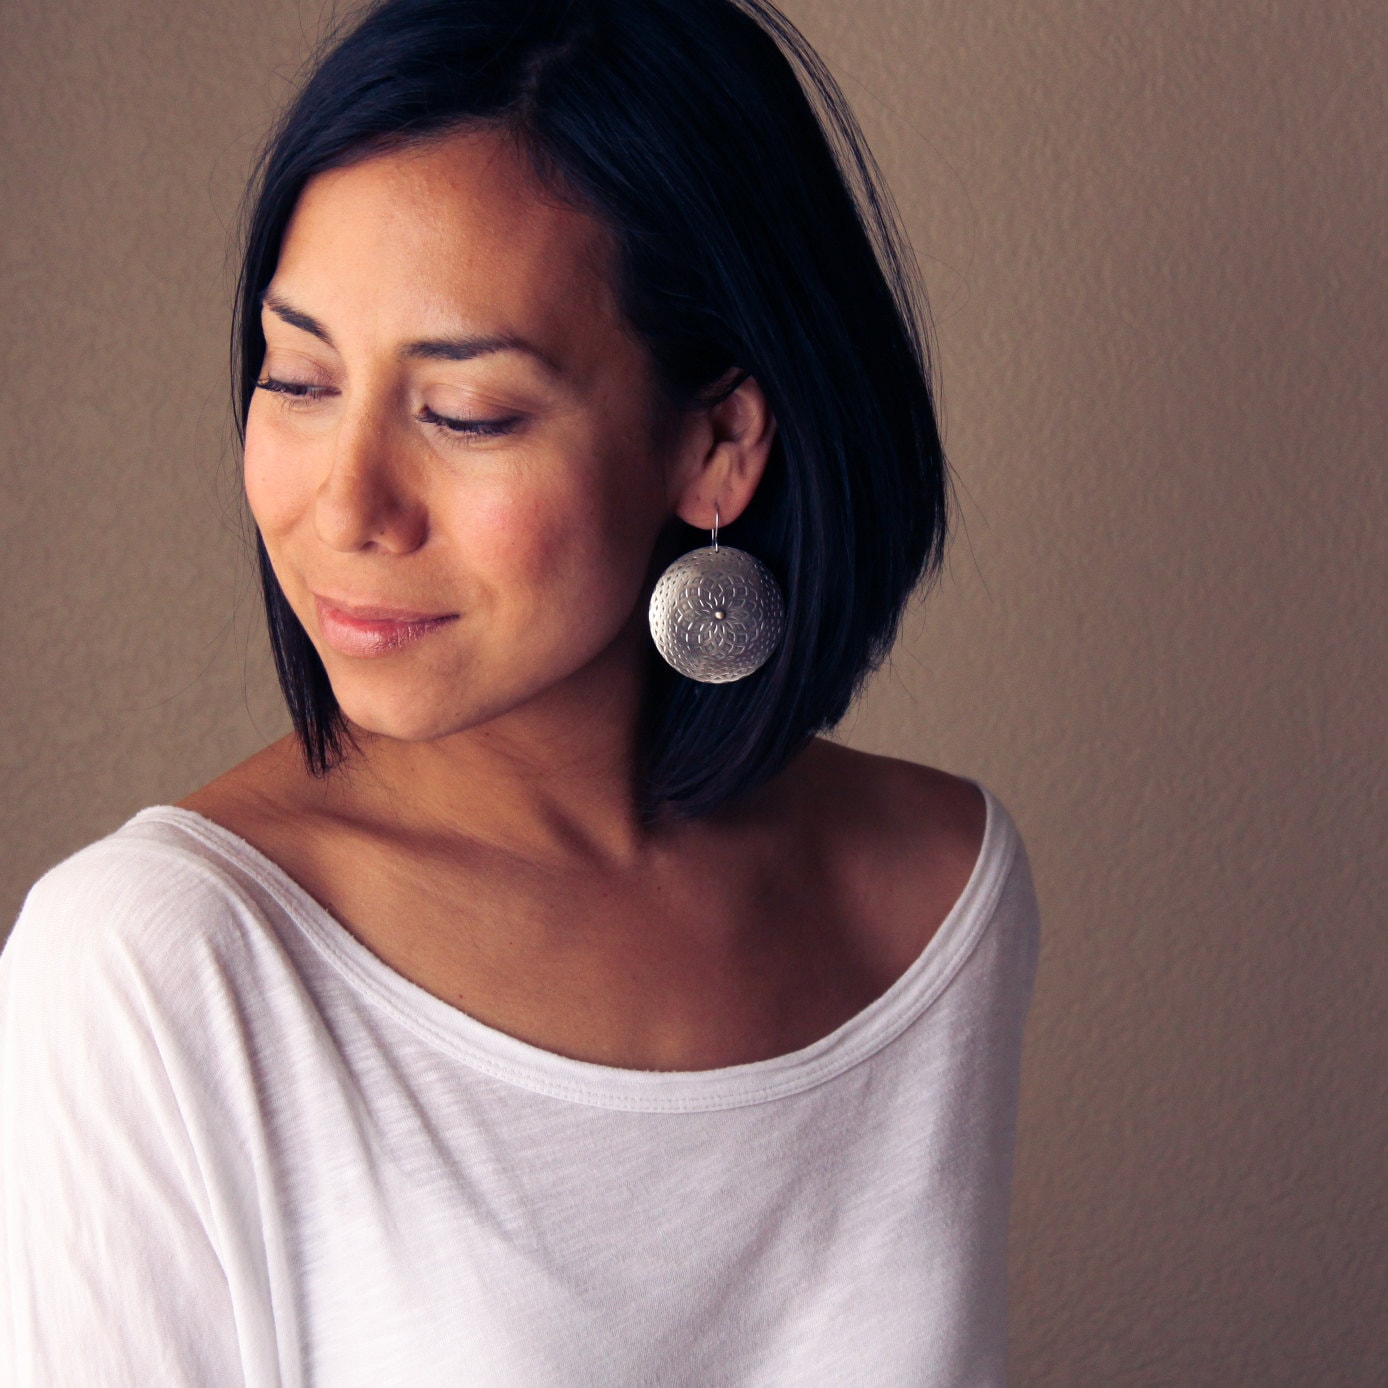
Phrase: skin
[485,843]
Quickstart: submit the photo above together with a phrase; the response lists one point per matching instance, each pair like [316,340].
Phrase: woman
[541,1014]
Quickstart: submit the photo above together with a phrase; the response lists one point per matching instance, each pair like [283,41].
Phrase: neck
[556,777]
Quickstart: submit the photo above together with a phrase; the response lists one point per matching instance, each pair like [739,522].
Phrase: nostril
[362,504]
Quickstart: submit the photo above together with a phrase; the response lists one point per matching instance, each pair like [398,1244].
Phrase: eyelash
[474,428]
[294,390]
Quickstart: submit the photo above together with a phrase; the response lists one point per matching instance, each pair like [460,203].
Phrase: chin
[425,705]
[408,711]
[425,710]
[408,720]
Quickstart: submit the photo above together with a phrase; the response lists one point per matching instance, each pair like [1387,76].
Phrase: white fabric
[236,1148]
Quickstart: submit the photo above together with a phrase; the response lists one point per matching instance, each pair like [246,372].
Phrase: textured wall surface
[1152,236]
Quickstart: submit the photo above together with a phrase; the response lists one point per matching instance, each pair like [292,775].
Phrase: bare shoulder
[902,839]
[896,805]
[269,800]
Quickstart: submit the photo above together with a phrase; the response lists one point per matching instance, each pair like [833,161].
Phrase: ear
[723,457]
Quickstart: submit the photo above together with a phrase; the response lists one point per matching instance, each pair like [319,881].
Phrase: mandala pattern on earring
[716,614]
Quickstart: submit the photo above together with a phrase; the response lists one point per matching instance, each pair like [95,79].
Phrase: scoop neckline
[504,1057]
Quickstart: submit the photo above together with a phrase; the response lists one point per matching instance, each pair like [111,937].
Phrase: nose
[370,498]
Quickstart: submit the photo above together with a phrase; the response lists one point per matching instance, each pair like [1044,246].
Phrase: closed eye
[293,390]
[473,428]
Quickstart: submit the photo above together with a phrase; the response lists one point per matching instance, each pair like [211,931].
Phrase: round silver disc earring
[716,613]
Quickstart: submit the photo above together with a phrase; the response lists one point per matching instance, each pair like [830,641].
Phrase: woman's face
[458,456]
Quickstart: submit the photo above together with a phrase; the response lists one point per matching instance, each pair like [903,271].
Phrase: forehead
[458,231]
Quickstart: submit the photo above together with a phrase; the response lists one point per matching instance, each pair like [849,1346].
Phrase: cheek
[277,482]
[577,557]
[533,543]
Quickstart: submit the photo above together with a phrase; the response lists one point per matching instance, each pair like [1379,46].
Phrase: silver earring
[716,613]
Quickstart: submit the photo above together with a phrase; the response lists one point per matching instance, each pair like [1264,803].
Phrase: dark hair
[753,234]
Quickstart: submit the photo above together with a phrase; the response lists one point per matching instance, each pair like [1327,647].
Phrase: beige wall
[1153,235]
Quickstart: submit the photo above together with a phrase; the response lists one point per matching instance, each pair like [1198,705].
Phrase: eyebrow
[461,348]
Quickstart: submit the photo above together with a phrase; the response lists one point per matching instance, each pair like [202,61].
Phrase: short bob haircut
[754,236]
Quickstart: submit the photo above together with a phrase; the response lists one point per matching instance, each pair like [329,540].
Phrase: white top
[237,1148]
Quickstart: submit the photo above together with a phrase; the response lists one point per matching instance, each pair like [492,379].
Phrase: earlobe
[734,448]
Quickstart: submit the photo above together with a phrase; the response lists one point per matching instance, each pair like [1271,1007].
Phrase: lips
[354,630]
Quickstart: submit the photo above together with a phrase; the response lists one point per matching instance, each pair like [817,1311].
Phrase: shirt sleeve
[108,1270]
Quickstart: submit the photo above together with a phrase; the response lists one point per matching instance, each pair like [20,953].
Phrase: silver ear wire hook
[716,614]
